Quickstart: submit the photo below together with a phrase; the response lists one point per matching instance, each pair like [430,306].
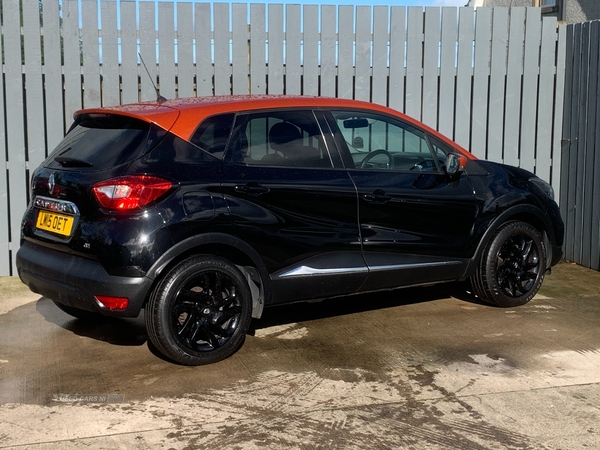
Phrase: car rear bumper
[75,281]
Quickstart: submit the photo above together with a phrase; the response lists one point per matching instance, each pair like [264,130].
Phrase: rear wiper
[66,161]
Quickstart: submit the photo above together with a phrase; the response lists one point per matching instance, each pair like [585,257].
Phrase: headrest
[282,133]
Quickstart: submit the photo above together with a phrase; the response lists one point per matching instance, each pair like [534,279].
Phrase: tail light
[131,192]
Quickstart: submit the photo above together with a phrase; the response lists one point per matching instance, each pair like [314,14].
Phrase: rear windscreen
[103,141]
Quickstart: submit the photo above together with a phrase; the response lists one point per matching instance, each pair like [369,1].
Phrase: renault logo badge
[51,184]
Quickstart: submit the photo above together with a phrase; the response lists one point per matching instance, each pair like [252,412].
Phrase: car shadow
[117,331]
[132,331]
[352,304]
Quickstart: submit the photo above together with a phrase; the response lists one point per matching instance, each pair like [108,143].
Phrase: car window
[212,134]
[279,138]
[440,150]
[99,141]
[380,142]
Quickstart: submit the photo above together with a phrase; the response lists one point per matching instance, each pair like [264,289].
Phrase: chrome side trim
[308,271]
[415,265]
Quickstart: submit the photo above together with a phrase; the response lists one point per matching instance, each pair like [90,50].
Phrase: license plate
[56,223]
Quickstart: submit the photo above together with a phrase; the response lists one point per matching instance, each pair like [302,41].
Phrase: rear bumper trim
[74,281]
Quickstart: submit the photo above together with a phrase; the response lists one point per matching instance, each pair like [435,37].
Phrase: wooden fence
[491,79]
[580,189]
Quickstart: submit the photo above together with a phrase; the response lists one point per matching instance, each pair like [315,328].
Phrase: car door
[415,220]
[290,203]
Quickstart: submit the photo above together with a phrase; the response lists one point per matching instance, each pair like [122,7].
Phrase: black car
[204,211]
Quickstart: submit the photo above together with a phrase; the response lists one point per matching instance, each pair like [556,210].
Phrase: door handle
[378,196]
[251,189]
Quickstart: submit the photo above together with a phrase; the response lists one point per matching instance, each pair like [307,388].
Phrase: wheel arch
[526,213]
[225,246]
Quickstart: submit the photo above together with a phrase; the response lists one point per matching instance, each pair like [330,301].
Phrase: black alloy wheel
[200,311]
[512,268]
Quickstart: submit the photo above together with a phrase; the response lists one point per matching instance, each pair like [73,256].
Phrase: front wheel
[200,311]
[512,267]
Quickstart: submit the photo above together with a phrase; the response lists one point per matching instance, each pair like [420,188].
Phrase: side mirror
[455,164]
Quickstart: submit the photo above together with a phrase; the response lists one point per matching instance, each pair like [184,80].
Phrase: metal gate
[580,186]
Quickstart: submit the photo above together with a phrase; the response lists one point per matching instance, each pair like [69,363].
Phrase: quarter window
[212,134]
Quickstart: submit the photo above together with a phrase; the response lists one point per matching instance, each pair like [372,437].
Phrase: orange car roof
[182,116]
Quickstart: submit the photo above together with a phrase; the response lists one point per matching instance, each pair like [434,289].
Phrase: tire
[200,311]
[81,314]
[512,266]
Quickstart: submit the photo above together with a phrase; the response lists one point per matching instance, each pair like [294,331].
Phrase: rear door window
[279,138]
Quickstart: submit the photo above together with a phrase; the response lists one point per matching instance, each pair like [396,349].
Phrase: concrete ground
[424,368]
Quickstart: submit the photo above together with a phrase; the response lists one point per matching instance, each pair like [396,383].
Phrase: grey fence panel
[328,51]
[32,52]
[431,64]
[581,145]
[362,78]
[204,67]
[543,167]
[530,84]
[448,61]
[166,49]
[464,76]
[111,89]
[513,92]
[222,79]
[569,141]
[397,58]
[293,67]
[589,181]
[13,137]
[15,125]
[595,138]
[53,78]
[380,55]
[479,76]
[185,50]
[495,129]
[258,59]
[275,51]
[310,63]
[239,49]
[5,237]
[581,136]
[91,55]
[345,78]
[147,36]
[414,63]
[559,96]
[129,54]
[72,59]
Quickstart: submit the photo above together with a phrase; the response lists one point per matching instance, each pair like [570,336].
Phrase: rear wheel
[200,311]
[512,267]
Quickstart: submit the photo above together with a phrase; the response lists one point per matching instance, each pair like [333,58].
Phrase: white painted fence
[491,79]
